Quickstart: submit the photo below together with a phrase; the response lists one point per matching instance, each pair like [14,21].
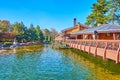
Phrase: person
[95,35]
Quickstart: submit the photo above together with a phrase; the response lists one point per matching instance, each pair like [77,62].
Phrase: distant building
[58,37]
[66,33]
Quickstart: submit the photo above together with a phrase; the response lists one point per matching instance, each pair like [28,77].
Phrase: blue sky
[56,14]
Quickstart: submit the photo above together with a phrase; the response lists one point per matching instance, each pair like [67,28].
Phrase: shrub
[8,43]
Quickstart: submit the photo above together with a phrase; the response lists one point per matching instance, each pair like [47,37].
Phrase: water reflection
[49,64]
[105,71]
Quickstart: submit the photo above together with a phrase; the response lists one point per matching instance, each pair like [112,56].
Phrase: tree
[39,32]
[5,25]
[98,15]
[46,34]
[19,30]
[53,33]
[114,11]
[32,34]
[27,37]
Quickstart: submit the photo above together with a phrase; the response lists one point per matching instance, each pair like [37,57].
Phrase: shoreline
[2,51]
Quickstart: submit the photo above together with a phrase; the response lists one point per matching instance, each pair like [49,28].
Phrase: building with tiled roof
[75,28]
[104,31]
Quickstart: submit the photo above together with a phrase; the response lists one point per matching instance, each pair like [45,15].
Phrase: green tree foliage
[98,15]
[104,11]
[19,30]
[27,34]
[53,33]
[5,26]
[114,11]
[50,34]
[32,33]
[46,35]
[46,32]
[40,36]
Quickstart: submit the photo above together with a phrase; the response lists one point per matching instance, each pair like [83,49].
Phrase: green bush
[1,42]
[8,43]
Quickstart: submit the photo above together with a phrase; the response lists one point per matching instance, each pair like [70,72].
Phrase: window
[108,34]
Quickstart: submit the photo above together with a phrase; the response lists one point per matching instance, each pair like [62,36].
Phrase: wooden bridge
[107,49]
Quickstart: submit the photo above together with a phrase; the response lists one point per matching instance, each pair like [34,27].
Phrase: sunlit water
[49,64]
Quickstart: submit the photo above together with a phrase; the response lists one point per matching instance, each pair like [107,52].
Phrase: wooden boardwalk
[107,49]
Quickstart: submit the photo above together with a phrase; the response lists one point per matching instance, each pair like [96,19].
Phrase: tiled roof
[105,28]
[74,27]
[69,28]
[66,35]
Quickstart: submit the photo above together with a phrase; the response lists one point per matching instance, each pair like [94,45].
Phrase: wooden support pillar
[74,44]
[85,45]
[89,47]
[77,44]
[96,49]
[104,56]
[114,36]
[117,56]
[83,36]
[70,43]
[76,37]
[80,45]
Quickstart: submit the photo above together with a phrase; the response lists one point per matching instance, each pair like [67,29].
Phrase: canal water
[50,64]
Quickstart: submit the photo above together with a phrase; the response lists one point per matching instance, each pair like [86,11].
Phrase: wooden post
[70,43]
[104,56]
[83,36]
[81,46]
[77,44]
[114,36]
[73,44]
[96,49]
[89,47]
[117,57]
[85,45]
[76,37]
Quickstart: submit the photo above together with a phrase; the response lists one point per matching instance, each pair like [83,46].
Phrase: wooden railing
[108,49]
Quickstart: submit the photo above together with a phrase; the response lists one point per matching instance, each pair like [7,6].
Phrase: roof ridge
[75,27]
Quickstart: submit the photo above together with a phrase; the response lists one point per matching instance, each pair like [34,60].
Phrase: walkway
[107,49]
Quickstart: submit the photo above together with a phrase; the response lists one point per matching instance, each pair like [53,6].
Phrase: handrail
[108,49]
[93,40]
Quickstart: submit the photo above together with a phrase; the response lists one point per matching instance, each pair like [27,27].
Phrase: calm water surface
[49,64]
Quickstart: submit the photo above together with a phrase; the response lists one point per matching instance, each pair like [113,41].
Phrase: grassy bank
[23,49]
[32,48]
